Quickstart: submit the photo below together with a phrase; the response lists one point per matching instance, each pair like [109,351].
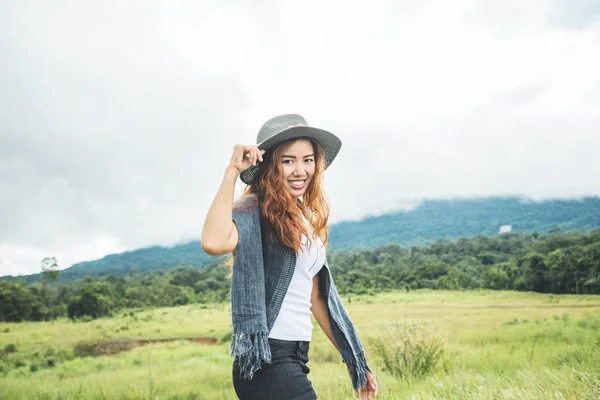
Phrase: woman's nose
[300,170]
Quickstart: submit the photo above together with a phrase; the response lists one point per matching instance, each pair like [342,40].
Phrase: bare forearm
[319,310]
[218,225]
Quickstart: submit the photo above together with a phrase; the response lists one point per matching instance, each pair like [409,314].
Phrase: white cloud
[117,119]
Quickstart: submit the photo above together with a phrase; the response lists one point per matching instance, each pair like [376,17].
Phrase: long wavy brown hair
[283,212]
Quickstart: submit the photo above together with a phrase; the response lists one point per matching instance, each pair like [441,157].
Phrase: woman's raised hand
[245,156]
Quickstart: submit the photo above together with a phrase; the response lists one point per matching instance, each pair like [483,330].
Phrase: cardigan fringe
[252,351]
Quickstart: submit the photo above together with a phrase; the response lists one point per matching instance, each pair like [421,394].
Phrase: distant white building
[505,228]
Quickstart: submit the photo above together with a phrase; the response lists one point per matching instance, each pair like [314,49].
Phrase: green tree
[49,268]
[18,303]
[93,299]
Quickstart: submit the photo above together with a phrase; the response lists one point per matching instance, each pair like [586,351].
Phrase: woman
[277,234]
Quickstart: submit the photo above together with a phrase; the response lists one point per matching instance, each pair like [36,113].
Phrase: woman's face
[297,166]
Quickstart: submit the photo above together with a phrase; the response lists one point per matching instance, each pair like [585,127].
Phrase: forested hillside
[142,260]
[445,219]
[429,222]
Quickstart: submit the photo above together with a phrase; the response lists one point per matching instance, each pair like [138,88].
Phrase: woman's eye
[309,160]
[287,161]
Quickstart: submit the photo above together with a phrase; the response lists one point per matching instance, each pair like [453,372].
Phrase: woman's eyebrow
[288,156]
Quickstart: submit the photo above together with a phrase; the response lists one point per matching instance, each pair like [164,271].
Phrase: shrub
[49,362]
[50,352]
[10,348]
[552,299]
[408,350]
[34,367]
[65,355]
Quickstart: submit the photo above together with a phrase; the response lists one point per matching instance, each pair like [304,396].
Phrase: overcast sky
[117,119]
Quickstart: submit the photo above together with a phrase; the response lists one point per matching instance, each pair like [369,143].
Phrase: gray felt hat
[290,126]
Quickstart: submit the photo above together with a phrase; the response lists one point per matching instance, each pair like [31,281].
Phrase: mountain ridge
[430,221]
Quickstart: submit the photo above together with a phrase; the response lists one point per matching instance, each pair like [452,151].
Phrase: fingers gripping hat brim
[330,144]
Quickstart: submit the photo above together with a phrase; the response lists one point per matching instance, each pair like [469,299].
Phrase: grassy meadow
[494,345]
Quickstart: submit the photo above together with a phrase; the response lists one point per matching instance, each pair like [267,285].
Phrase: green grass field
[496,345]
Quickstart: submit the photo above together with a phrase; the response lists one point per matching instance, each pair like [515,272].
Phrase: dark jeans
[283,379]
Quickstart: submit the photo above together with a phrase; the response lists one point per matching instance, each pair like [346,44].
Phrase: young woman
[277,233]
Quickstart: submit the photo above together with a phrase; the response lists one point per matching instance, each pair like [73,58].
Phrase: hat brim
[330,143]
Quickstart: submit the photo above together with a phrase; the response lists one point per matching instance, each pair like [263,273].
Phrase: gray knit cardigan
[262,272]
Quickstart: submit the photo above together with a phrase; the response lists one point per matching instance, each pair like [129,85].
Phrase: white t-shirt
[293,321]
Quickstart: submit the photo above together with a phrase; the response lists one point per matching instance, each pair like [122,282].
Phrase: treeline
[553,263]
[559,263]
[96,297]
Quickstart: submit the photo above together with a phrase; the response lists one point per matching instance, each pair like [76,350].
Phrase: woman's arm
[219,234]
[319,310]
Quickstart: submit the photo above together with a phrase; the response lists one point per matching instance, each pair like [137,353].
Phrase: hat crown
[279,124]
[286,127]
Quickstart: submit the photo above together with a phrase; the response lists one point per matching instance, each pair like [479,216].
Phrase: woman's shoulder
[247,204]
[247,218]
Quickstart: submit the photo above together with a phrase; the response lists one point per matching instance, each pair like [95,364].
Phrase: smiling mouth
[297,183]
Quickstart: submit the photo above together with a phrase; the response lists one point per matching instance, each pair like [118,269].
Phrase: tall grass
[408,349]
[496,345]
